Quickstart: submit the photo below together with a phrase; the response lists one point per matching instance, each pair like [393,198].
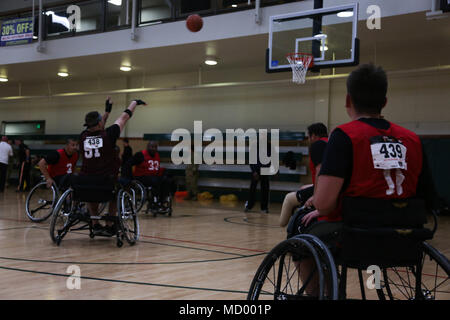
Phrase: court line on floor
[125,281]
[189,241]
[247,223]
[128,263]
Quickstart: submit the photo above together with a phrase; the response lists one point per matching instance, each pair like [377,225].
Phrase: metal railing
[78,17]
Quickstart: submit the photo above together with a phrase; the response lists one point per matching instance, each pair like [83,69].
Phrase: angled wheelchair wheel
[127,217]
[138,194]
[40,202]
[428,280]
[61,217]
[296,269]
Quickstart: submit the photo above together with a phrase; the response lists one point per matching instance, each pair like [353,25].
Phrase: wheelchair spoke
[38,208]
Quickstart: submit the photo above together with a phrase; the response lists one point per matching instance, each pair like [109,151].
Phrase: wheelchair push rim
[128,220]
[61,216]
[278,275]
[40,202]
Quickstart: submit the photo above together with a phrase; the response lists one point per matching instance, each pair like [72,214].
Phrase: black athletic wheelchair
[385,237]
[41,201]
[142,194]
[71,212]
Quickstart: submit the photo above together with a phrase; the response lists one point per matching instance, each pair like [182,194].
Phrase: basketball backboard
[329,34]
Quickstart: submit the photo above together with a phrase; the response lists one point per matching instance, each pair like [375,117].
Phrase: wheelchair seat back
[93,188]
[381,232]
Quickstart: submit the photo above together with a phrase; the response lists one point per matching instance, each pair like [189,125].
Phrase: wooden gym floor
[206,250]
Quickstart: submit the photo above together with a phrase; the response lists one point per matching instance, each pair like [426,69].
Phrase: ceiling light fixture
[115,2]
[234,5]
[125,68]
[345,14]
[211,61]
[3,79]
[63,74]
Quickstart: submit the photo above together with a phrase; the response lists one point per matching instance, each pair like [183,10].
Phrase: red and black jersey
[64,164]
[98,151]
[366,179]
[150,166]
[312,166]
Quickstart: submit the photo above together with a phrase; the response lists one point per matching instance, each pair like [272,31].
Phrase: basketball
[194,23]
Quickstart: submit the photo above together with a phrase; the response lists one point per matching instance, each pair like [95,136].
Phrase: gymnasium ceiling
[404,42]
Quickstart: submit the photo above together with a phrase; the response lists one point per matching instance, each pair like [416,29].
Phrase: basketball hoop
[300,62]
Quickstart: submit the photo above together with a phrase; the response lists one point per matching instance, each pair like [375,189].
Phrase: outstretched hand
[140,102]
[108,105]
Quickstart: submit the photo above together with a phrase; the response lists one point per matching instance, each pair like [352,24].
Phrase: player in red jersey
[99,155]
[318,138]
[368,157]
[59,164]
[149,172]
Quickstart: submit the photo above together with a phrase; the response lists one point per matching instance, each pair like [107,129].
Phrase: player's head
[316,131]
[366,91]
[4,139]
[92,120]
[126,142]
[71,146]
[152,147]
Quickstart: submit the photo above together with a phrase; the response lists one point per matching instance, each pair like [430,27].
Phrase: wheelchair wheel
[127,216]
[296,269]
[138,194]
[41,202]
[61,216]
[429,280]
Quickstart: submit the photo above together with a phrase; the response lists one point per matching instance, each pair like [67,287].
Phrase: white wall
[421,102]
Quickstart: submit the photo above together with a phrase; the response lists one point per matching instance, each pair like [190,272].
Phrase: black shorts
[304,194]
[93,188]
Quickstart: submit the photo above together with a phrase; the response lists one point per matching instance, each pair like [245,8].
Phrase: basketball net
[300,63]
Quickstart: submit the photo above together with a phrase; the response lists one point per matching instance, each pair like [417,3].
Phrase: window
[155,10]
[23,127]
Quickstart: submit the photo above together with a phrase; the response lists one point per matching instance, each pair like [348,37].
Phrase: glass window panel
[118,13]
[154,10]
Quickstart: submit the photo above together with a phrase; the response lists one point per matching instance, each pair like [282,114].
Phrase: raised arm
[127,113]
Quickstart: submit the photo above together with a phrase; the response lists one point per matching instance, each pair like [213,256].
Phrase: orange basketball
[194,22]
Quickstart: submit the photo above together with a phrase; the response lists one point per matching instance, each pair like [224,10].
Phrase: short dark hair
[125,140]
[92,119]
[367,87]
[319,129]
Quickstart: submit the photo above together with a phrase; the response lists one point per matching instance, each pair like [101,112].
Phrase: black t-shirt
[22,152]
[338,161]
[127,154]
[135,160]
[317,151]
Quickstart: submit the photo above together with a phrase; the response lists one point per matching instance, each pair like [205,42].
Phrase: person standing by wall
[24,166]
[192,178]
[5,153]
